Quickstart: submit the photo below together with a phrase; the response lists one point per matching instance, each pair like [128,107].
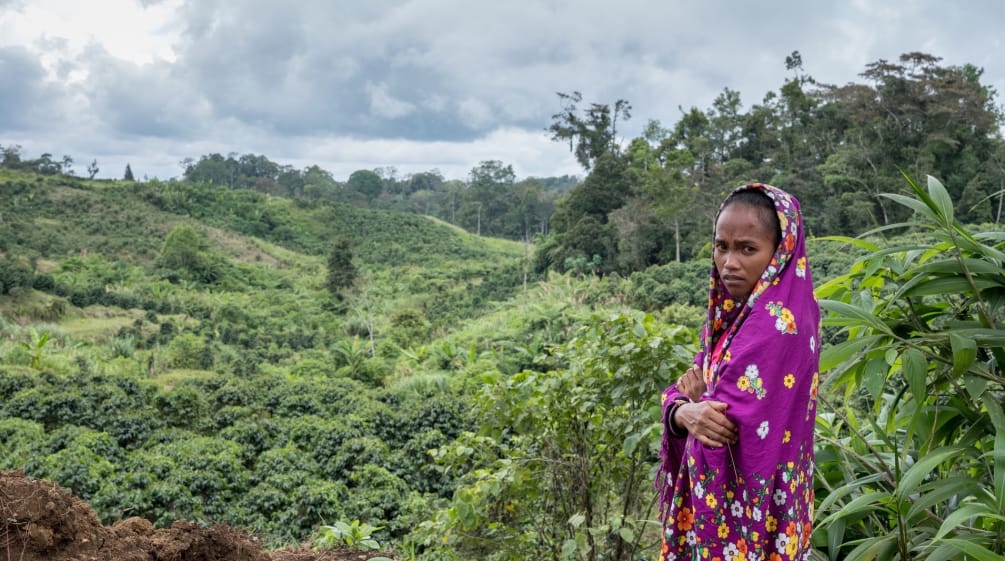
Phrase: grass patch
[168,380]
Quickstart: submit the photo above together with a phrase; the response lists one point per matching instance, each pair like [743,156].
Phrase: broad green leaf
[924,467]
[627,534]
[924,286]
[861,316]
[865,503]
[952,266]
[915,205]
[577,520]
[973,550]
[631,442]
[847,489]
[939,195]
[998,421]
[837,354]
[936,492]
[958,517]
[873,548]
[975,385]
[569,549]
[982,337]
[835,538]
[915,369]
[964,353]
[874,376]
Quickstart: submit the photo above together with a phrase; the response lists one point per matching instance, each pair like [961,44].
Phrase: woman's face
[744,245]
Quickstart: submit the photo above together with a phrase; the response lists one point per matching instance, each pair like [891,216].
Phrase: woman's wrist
[672,427]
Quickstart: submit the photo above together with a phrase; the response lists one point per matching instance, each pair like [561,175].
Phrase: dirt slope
[41,521]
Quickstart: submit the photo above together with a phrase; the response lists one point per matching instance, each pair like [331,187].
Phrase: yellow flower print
[723,531]
[728,304]
[750,382]
[787,437]
[710,500]
[790,548]
[790,465]
[725,357]
[790,381]
[783,221]
[771,524]
[786,321]
[801,268]
[792,486]
[755,537]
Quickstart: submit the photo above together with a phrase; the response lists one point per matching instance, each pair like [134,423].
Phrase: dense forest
[468,369]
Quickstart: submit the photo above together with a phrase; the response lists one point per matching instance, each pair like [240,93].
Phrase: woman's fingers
[707,422]
[691,383]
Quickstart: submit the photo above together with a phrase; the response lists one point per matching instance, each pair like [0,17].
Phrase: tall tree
[592,133]
[342,271]
[128,175]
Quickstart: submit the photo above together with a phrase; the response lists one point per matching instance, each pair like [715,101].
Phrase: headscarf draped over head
[755,496]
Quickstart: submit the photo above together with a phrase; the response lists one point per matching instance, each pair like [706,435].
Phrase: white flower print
[730,551]
[699,491]
[781,541]
[762,431]
[780,325]
[785,476]
[779,497]
[757,514]
[692,538]
[671,556]
[813,343]
[752,370]
[736,509]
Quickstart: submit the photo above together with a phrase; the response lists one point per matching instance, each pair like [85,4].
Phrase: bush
[14,274]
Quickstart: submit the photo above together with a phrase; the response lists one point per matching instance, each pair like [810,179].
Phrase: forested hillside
[275,349]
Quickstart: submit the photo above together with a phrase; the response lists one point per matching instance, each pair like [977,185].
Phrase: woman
[736,480]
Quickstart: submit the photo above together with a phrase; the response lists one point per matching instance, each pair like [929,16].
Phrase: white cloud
[419,84]
[384,104]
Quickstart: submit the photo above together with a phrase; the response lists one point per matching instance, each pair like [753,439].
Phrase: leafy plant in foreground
[911,455]
[355,534]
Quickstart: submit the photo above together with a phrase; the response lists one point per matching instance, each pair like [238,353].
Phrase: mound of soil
[41,521]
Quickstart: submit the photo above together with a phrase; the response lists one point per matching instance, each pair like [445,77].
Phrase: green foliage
[341,270]
[573,447]
[186,255]
[13,275]
[911,459]
[355,535]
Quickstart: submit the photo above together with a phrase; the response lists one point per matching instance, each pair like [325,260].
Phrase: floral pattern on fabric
[751,501]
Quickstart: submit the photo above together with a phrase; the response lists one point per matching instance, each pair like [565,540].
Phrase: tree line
[651,200]
[837,148]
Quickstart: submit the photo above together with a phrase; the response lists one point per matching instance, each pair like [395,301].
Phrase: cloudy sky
[420,84]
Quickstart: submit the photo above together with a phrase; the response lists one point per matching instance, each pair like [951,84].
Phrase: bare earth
[41,521]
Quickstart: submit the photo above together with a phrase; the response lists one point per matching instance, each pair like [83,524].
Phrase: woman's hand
[707,422]
[692,383]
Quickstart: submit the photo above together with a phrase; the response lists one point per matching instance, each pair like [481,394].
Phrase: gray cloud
[26,101]
[417,78]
